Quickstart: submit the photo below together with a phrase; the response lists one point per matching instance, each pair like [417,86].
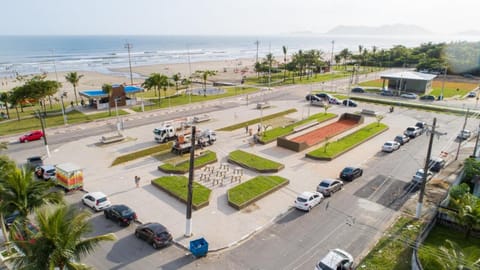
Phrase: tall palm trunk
[75,93]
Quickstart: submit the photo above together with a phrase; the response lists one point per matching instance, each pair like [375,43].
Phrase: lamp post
[331,58]
[116,113]
[42,123]
[443,81]
[63,111]
[129,46]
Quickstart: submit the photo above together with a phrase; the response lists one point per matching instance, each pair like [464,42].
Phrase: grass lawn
[206,158]
[450,88]
[253,189]
[277,79]
[178,187]
[256,120]
[165,147]
[254,162]
[186,99]
[469,247]
[393,251]
[273,134]
[334,148]
[26,124]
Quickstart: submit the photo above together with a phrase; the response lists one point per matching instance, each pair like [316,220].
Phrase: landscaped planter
[254,162]
[201,161]
[177,187]
[248,188]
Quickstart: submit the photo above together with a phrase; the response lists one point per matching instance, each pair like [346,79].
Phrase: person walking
[246,129]
[137,181]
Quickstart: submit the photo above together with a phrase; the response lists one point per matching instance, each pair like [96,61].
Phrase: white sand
[227,71]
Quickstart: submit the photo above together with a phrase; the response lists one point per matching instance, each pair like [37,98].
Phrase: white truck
[183,144]
[165,133]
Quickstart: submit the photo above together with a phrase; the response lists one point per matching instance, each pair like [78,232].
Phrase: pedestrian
[246,129]
[82,103]
[71,103]
[137,181]
[258,129]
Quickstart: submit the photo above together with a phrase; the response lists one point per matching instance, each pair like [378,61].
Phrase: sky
[225,17]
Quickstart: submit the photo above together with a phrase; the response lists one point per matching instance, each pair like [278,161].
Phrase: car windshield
[410,129]
[127,212]
[162,235]
[347,170]
[324,184]
[300,199]
[324,266]
[104,199]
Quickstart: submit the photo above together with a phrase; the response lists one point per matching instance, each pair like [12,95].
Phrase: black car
[34,162]
[349,103]
[421,125]
[358,90]
[154,233]
[436,164]
[350,173]
[121,214]
[428,98]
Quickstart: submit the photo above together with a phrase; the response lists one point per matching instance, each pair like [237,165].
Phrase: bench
[305,126]
[111,139]
[263,105]
[368,112]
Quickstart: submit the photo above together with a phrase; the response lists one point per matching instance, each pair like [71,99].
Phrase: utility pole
[129,46]
[331,57]
[425,171]
[188,228]
[476,144]
[41,118]
[257,43]
[443,81]
[463,128]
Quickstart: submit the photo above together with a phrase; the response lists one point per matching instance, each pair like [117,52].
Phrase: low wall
[294,146]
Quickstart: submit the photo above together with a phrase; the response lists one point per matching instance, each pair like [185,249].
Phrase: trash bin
[199,247]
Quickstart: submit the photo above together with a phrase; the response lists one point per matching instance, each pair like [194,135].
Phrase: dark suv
[436,164]
[154,233]
[34,162]
[121,214]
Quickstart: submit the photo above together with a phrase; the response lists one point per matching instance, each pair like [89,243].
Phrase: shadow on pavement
[292,215]
[129,249]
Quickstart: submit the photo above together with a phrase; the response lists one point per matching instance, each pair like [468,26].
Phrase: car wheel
[84,203]
[154,245]
[105,214]
[137,234]
[120,223]
[361,173]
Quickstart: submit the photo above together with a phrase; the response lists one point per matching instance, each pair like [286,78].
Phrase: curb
[243,238]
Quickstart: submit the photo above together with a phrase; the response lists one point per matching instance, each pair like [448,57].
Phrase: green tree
[345,54]
[326,107]
[7,168]
[61,241]
[204,74]
[74,79]
[107,89]
[379,118]
[4,99]
[468,209]
[176,78]
[21,192]
[153,82]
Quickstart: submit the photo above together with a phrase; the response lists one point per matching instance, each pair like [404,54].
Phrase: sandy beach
[227,71]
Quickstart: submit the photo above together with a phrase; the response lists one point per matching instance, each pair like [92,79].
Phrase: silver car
[329,186]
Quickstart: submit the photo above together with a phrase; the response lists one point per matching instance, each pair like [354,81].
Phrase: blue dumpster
[199,247]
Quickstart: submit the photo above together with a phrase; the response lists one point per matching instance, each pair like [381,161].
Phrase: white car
[418,177]
[390,146]
[409,95]
[335,259]
[464,134]
[307,200]
[96,200]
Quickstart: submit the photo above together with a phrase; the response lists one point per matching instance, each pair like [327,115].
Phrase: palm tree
[468,210]
[107,89]
[284,48]
[204,74]
[60,242]
[74,78]
[4,99]
[164,83]
[176,78]
[21,192]
[360,49]
[345,55]
[7,167]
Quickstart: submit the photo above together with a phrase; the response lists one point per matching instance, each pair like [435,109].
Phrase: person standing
[246,129]
[137,181]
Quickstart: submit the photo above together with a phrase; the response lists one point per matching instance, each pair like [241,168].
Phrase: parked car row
[325,97]
[153,233]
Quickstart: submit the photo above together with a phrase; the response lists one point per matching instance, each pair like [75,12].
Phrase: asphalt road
[354,216]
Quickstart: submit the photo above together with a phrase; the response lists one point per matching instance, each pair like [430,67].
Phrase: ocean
[37,54]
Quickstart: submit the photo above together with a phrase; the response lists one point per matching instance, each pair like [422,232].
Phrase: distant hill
[395,29]
[469,33]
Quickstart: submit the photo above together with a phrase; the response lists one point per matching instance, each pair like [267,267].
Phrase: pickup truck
[413,131]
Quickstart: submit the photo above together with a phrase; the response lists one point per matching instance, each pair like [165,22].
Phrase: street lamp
[63,111]
[42,123]
[116,112]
